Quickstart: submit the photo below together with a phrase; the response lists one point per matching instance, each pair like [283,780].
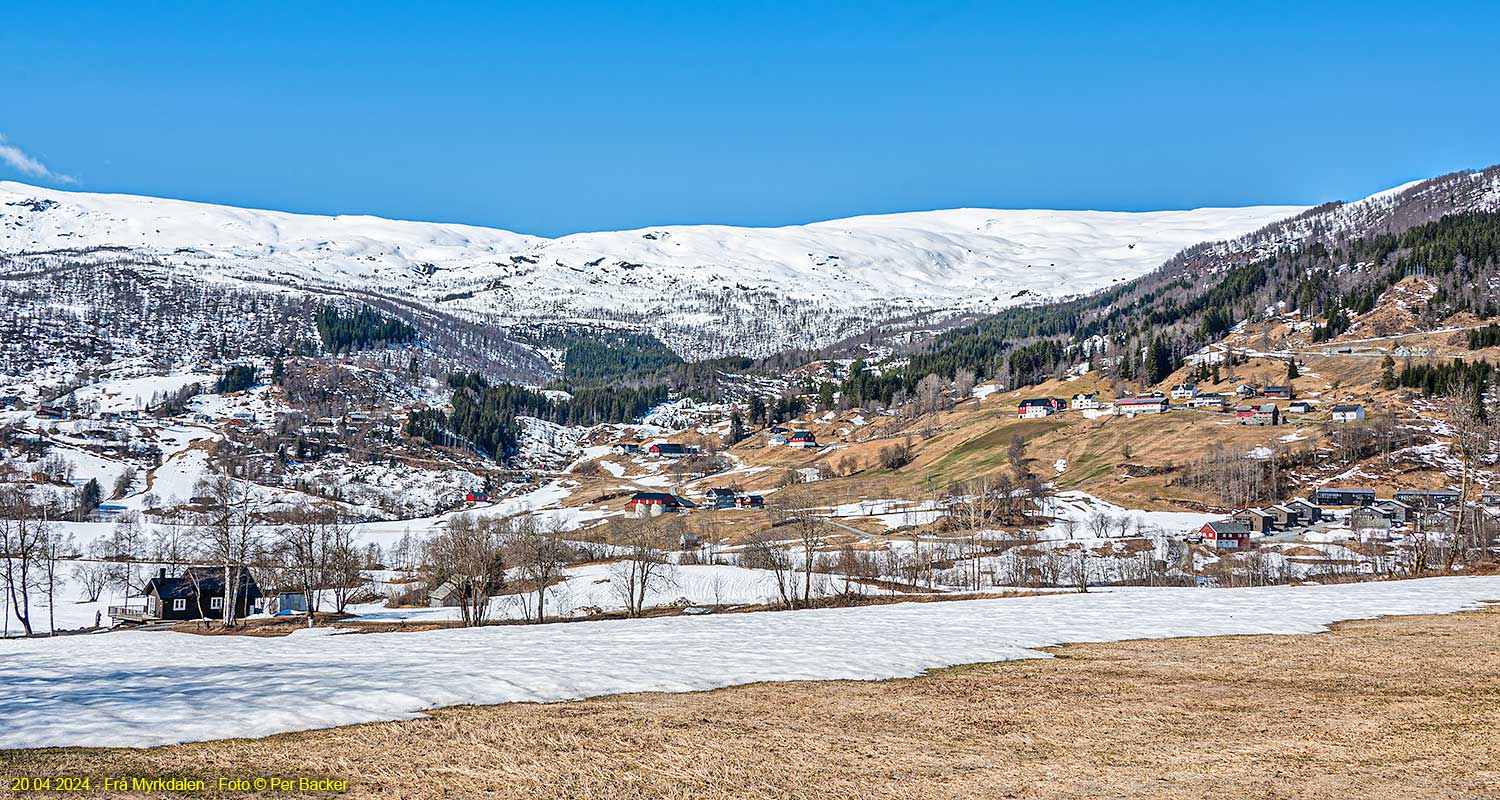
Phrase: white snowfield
[974,258]
[143,689]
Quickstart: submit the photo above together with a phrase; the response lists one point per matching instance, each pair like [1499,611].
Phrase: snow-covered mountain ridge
[705,289]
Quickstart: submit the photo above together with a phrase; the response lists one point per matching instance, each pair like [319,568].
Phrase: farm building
[801,439]
[1130,406]
[652,504]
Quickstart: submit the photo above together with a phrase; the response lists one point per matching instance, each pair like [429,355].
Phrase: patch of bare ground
[1405,707]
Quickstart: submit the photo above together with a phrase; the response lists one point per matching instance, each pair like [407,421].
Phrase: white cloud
[26,165]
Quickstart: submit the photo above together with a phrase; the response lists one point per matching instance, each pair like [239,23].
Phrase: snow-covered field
[139,689]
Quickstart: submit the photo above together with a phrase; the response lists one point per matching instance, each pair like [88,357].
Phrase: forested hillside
[1142,330]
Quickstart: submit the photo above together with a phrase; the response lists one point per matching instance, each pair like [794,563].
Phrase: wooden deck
[131,614]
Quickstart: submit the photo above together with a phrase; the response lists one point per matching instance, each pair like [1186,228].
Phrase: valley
[297,457]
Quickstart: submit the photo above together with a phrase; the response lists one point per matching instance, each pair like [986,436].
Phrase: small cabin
[667,450]
[198,593]
[1348,413]
[1279,392]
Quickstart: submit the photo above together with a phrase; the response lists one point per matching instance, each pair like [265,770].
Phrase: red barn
[651,504]
[802,439]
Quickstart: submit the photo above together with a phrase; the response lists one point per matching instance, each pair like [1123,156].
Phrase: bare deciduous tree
[469,558]
[644,567]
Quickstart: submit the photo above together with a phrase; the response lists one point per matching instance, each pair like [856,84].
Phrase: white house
[1348,413]
[1086,401]
[1184,391]
[1208,401]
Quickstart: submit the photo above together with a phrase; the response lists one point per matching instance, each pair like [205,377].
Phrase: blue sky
[552,118]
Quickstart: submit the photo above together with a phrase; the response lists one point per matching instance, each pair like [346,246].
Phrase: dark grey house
[1342,496]
[719,497]
[1427,498]
[198,593]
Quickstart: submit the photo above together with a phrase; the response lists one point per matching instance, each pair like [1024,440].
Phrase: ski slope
[140,689]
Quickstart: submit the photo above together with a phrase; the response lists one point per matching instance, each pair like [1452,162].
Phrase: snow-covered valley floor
[140,689]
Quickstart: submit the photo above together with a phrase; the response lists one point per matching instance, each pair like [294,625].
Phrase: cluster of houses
[1370,517]
[656,449]
[1187,393]
[654,504]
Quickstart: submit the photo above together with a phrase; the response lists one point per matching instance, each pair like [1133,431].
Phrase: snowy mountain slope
[706,289]
[1391,211]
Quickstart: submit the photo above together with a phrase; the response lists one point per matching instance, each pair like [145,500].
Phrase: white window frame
[216,603]
[180,604]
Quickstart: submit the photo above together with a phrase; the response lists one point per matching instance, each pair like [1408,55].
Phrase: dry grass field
[1400,708]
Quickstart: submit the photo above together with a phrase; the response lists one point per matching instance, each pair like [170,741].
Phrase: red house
[802,439]
[1226,534]
[476,497]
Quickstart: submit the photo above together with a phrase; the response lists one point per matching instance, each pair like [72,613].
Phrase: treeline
[1456,378]
[237,378]
[485,417]
[363,329]
[1488,336]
